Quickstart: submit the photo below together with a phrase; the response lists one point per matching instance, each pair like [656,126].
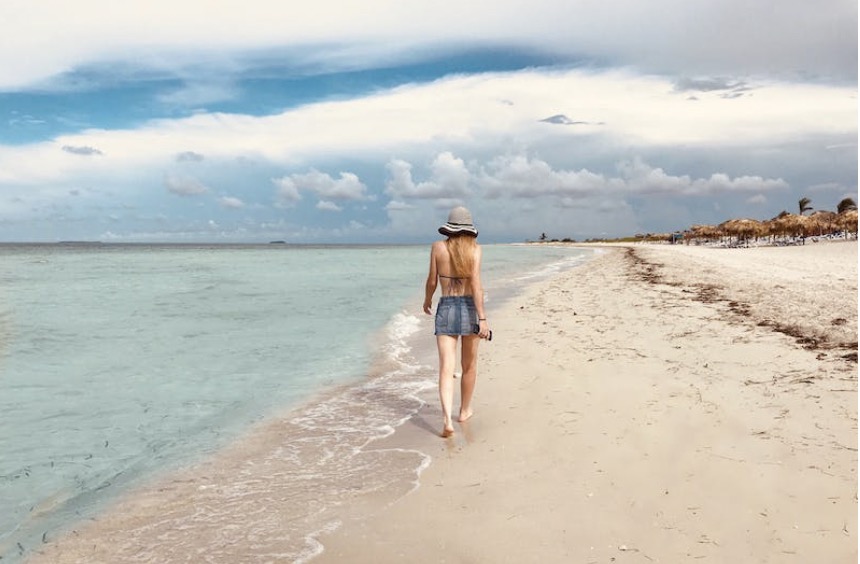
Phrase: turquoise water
[118,362]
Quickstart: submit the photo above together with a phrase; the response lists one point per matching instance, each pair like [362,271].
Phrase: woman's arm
[432,280]
[478,294]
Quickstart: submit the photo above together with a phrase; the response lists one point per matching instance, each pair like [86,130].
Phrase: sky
[365,122]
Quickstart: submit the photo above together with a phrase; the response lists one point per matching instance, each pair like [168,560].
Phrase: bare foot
[465,415]
[447,427]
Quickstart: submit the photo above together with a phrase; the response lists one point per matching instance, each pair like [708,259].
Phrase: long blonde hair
[461,250]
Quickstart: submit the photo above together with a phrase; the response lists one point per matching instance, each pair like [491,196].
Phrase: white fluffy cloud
[325,205]
[347,187]
[519,176]
[229,202]
[642,178]
[182,185]
[449,179]
[287,192]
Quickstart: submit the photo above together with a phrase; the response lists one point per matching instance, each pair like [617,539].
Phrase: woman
[455,264]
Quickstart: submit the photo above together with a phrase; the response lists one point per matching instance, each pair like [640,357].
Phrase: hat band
[460,224]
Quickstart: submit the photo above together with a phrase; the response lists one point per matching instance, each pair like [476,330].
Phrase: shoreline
[644,411]
[618,413]
[278,466]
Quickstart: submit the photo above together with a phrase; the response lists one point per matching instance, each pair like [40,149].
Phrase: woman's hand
[428,307]
[483,328]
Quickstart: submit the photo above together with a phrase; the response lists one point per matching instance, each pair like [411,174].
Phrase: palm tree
[803,205]
[845,205]
[542,237]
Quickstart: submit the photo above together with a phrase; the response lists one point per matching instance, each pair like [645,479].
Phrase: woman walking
[455,265]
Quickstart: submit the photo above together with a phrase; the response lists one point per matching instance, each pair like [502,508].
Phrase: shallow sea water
[268,368]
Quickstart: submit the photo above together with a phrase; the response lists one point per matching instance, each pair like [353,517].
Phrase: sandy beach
[658,404]
[661,404]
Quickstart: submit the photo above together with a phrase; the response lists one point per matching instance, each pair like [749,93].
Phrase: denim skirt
[456,315]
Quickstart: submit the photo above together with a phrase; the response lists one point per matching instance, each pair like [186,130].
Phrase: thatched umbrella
[847,221]
[802,225]
[705,231]
[789,224]
[742,228]
[776,225]
[823,222]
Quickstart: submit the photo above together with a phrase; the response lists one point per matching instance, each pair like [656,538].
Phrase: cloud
[523,177]
[328,206]
[198,94]
[184,185]
[758,199]
[19,119]
[708,84]
[827,187]
[518,176]
[641,178]
[189,157]
[396,205]
[287,193]
[725,88]
[561,119]
[84,150]
[759,127]
[347,187]
[449,178]
[229,202]
[667,36]
[462,111]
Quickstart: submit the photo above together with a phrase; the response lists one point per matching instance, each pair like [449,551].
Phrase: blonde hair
[461,250]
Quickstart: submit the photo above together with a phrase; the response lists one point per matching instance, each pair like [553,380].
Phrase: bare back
[451,284]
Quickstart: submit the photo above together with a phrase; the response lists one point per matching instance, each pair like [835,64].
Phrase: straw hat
[459,221]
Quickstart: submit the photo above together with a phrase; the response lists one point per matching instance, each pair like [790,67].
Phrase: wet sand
[660,404]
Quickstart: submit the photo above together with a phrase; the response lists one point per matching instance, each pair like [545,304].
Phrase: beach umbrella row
[784,225]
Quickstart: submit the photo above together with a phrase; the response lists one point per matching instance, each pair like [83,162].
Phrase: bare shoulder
[438,248]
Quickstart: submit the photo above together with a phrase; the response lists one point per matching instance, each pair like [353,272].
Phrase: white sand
[620,420]
[811,289]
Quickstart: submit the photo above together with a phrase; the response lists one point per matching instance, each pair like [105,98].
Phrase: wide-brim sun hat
[459,221]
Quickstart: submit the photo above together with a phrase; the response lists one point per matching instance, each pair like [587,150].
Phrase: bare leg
[469,360]
[447,346]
